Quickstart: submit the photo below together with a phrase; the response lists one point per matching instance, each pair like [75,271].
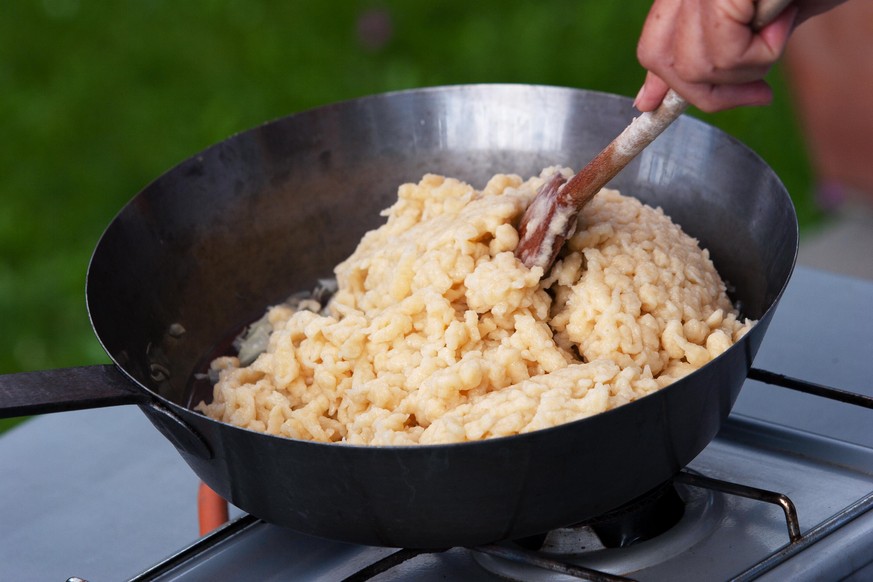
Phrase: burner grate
[810,537]
[784,381]
[780,499]
[386,563]
[558,566]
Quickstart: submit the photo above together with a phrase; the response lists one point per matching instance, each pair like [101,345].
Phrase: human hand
[708,52]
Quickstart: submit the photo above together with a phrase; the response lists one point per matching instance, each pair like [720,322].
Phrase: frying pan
[202,250]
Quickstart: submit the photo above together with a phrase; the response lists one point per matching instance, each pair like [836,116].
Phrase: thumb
[775,35]
[651,93]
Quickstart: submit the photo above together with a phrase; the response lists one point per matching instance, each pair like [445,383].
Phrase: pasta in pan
[438,334]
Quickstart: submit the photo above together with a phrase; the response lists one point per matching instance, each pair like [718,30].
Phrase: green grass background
[99,98]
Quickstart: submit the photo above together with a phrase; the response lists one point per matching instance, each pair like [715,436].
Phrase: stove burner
[642,519]
[648,530]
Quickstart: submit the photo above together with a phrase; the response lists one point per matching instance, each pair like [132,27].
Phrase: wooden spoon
[551,217]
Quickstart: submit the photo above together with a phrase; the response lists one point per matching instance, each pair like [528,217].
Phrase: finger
[651,93]
[712,98]
[736,54]
[775,35]
[655,45]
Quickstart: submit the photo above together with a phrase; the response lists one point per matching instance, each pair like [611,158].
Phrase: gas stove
[761,500]
[784,492]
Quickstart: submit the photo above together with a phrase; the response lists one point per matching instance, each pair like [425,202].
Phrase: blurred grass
[97,99]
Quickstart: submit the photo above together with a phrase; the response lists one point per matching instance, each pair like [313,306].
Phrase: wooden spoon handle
[624,148]
[551,217]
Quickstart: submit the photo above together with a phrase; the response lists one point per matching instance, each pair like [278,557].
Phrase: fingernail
[639,95]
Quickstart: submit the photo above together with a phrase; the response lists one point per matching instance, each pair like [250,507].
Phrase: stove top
[735,526]
[783,492]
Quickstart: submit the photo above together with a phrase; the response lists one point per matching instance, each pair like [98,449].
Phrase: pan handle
[64,389]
